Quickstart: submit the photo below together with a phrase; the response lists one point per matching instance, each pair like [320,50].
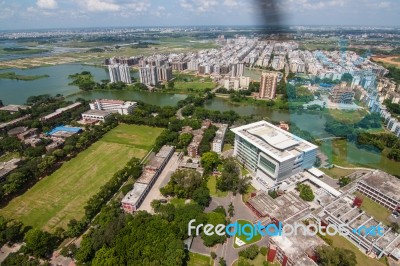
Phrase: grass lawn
[196,259]
[212,186]
[256,237]
[350,116]
[142,137]
[246,196]
[60,197]
[374,209]
[8,156]
[362,259]
[227,147]
[257,261]
[178,202]
[336,172]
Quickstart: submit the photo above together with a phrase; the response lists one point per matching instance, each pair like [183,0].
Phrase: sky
[33,14]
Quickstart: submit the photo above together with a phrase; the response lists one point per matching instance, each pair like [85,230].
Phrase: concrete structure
[235,83]
[218,142]
[382,188]
[120,73]
[164,73]
[5,125]
[59,111]
[13,108]
[7,167]
[282,209]
[342,94]
[96,115]
[268,83]
[344,212]
[271,154]
[299,250]
[148,75]
[121,107]
[132,200]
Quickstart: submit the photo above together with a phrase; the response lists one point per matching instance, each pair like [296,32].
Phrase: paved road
[6,250]
[161,181]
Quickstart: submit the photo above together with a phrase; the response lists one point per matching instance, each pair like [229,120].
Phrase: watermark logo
[251,230]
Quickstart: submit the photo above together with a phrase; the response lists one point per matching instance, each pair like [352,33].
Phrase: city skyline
[43,14]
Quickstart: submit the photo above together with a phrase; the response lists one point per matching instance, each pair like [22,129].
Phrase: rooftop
[13,108]
[281,208]
[384,182]
[97,112]
[273,140]
[134,195]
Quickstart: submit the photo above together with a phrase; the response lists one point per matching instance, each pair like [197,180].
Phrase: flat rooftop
[134,195]
[273,140]
[281,208]
[13,108]
[384,183]
[97,112]
[297,247]
[165,151]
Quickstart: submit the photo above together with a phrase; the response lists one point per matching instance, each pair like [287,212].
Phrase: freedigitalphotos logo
[250,230]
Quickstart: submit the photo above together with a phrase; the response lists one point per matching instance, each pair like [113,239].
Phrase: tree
[231,210]
[306,192]
[263,251]
[214,218]
[10,231]
[209,160]
[243,262]
[202,196]
[250,252]
[347,77]
[213,255]
[39,243]
[184,140]
[222,261]
[343,181]
[18,259]
[327,256]
[182,184]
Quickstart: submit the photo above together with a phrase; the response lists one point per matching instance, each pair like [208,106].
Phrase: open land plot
[256,237]
[196,259]
[60,197]
[391,60]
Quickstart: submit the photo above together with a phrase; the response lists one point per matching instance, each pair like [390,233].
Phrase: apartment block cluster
[102,109]
[134,198]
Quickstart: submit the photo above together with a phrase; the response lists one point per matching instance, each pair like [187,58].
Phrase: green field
[196,259]
[256,237]
[58,198]
[8,156]
[336,172]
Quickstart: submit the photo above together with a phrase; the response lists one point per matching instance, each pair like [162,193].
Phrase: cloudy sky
[27,14]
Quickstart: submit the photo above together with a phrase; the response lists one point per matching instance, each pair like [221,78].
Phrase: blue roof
[325,85]
[64,128]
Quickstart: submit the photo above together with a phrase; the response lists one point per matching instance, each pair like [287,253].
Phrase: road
[161,181]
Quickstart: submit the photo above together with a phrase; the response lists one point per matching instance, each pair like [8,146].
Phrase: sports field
[60,197]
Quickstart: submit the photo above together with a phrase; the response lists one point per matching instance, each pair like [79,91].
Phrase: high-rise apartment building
[148,75]
[120,73]
[342,94]
[164,73]
[268,85]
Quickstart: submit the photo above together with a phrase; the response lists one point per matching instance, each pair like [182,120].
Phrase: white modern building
[271,153]
[121,107]
[120,73]
[96,115]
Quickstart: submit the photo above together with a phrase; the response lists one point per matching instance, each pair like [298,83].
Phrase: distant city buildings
[120,73]
[121,107]
[268,83]
[271,153]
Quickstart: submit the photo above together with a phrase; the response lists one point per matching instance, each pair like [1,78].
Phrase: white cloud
[47,4]
[100,5]
[200,6]
[231,3]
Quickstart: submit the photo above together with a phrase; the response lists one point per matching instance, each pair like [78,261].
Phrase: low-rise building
[11,123]
[121,107]
[133,199]
[96,115]
[59,111]
[382,188]
[13,108]
[218,142]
